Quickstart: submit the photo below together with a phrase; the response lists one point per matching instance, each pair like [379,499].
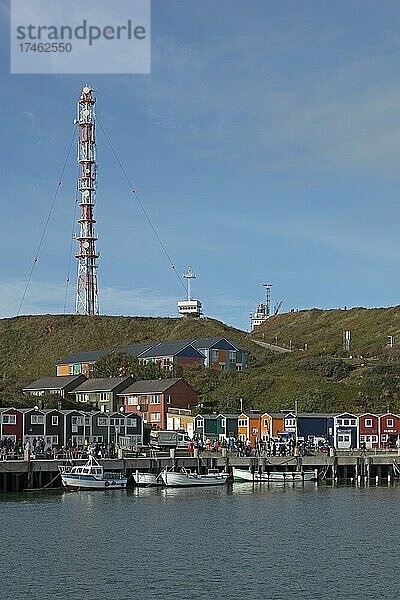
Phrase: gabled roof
[84,357]
[209,416]
[315,415]
[137,349]
[150,386]
[209,342]
[229,415]
[106,384]
[274,415]
[169,349]
[52,383]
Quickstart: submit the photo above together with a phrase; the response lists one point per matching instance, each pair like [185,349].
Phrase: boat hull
[172,479]
[147,479]
[273,476]
[88,482]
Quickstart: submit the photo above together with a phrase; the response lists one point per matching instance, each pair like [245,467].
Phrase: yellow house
[249,426]
[180,419]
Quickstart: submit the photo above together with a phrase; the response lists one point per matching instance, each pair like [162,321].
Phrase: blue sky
[265,145]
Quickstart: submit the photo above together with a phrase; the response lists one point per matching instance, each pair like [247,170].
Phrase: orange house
[249,426]
[278,424]
[265,427]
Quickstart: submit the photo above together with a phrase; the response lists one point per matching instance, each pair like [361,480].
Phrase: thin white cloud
[47,297]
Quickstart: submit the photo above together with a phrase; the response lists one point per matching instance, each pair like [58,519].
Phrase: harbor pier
[356,467]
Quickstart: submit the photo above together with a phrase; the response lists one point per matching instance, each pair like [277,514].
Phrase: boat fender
[107,483]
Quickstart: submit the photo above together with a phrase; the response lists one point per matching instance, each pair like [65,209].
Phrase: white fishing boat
[91,476]
[146,479]
[272,476]
[185,478]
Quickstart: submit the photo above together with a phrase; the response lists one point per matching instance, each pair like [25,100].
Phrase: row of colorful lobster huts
[342,431]
[68,428]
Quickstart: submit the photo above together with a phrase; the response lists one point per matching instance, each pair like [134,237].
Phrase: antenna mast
[189,275]
[87,299]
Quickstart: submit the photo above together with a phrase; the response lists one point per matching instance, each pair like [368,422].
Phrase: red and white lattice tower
[87,299]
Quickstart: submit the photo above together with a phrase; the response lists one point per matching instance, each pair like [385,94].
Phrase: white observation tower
[189,307]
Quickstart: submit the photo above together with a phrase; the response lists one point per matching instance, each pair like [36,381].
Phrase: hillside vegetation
[323,378]
[30,346]
[322,330]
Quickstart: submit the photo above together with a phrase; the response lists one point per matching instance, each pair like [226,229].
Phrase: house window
[102,421]
[266,424]
[290,422]
[242,422]
[223,423]
[98,439]
[155,399]
[214,356]
[87,421]
[239,368]
[9,419]
[133,400]
[232,355]
[254,430]
[353,422]
[37,419]
[83,397]
[389,423]
[168,399]
[52,440]
[368,422]
[103,396]
[339,422]
[155,416]
[131,422]
[384,438]
[346,422]
[54,419]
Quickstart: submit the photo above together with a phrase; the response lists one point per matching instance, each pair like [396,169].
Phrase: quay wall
[19,475]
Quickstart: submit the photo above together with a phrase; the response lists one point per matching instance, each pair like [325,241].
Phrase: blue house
[345,431]
[308,427]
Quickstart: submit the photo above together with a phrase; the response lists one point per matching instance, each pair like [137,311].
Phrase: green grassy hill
[322,330]
[323,378]
[31,345]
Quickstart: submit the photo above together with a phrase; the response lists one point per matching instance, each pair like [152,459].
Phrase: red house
[11,424]
[153,398]
[389,430]
[368,431]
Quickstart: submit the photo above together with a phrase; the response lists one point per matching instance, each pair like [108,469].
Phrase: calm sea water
[240,542]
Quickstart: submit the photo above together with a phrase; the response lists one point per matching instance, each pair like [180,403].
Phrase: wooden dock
[360,467]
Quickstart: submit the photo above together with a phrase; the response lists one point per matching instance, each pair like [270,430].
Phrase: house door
[343,440]
[368,441]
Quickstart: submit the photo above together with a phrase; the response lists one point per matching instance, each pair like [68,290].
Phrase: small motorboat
[273,476]
[91,476]
[185,478]
[146,479]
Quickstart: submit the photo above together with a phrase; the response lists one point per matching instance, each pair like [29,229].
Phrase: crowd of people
[38,448]
[271,447]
